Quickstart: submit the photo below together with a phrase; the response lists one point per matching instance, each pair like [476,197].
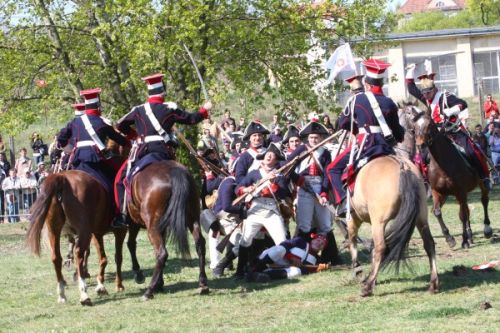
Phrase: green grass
[322,302]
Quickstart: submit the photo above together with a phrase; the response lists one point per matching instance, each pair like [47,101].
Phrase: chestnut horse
[449,174]
[166,202]
[390,188]
[75,203]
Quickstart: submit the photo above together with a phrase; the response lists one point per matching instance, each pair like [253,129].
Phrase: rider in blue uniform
[88,134]
[375,136]
[153,122]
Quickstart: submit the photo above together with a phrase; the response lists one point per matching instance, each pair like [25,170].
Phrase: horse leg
[161,255]
[103,262]
[199,241]
[132,248]
[352,232]
[485,199]
[82,245]
[438,201]
[119,240]
[430,249]
[464,214]
[54,233]
[377,256]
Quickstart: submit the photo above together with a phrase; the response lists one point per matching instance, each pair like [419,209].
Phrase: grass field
[323,302]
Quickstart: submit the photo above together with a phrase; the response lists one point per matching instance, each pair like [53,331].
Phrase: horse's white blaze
[420,122]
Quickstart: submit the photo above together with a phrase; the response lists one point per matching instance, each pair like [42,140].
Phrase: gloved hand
[453,111]
[208,105]
[410,72]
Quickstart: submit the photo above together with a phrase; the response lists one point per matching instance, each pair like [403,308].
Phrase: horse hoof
[61,300]
[451,242]
[120,288]
[101,291]
[366,292]
[147,297]
[139,278]
[433,290]
[204,290]
[86,302]
[488,232]
[465,245]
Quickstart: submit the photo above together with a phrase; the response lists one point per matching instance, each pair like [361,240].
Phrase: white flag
[428,66]
[340,60]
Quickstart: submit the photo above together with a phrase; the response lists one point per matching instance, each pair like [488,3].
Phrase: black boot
[218,271]
[342,208]
[277,274]
[242,262]
[305,234]
[330,253]
[120,221]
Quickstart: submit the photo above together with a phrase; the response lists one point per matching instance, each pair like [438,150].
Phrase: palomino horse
[165,201]
[388,188]
[74,202]
[449,174]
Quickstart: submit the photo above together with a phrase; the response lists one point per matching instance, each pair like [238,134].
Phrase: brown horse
[449,174]
[165,201]
[390,188]
[74,202]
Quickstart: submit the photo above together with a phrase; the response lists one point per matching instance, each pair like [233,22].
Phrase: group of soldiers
[252,202]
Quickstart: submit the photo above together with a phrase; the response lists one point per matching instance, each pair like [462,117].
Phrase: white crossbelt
[153,138]
[85,143]
[372,129]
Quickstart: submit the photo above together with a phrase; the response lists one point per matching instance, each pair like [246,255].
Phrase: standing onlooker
[28,189]
[4,172]
[241,125]
[41,173]
[11,186]
[490,107]
[328,124]
[39,148]
[274,123]
[495,145]
[2,146]
[480,139]
[23,163]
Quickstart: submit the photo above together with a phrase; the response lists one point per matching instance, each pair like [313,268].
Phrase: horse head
[425,129]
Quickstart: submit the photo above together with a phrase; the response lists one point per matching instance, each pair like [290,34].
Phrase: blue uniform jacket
[75,132]
[254,176]
[226,196]
[167,115]
[324,159]
[243,163]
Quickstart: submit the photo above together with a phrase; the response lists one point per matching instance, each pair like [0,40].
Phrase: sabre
[203,88]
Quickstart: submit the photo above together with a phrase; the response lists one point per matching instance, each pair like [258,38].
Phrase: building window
[486,72]
[445,68]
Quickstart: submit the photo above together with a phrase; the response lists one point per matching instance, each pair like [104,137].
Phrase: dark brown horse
[166,202]
[75,203]
[449,174]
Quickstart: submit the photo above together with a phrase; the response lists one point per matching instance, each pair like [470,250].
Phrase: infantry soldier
[291,140]
[264,208]
[153,123]
[254,133]
[312,195]
[373,118]
[88,133]
[447,111]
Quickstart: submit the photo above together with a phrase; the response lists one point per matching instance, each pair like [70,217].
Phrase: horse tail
[173,222]
[398,236]
[49,196]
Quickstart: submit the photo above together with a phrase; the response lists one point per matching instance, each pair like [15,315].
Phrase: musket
[285,169]
[202,161]
[223,243]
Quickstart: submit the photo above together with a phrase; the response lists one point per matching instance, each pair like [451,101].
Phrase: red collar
[377,90]
[156,99]
[93,112]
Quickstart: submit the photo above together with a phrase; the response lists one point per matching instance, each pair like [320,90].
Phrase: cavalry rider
[446,110]
[373,118]
[153,123]
[264,205]
[88,133]
[312,195]
[291,140]
[64,155]
[294,257]
[247,162]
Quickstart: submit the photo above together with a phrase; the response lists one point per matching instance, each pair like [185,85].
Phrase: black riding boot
[305,234]
[330,253]
[120,220]
[242,262]
[218,271]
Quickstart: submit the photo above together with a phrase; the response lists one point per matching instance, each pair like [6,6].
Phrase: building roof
[418,6]
[444,33]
